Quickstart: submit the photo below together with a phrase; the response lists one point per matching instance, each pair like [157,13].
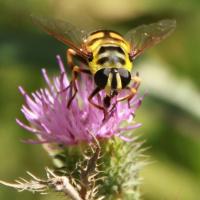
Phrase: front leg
[75,71]
[132,90]
[100,107]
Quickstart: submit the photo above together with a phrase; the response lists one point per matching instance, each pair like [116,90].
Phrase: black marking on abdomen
[103,49]
[106,35]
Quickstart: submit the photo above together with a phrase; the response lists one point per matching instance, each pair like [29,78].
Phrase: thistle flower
[50,119]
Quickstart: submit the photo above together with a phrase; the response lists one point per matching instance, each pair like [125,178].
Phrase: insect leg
[70,54]
[75,71]
[95,92]
[132,90]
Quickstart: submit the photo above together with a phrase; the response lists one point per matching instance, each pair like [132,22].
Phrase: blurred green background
[171,75]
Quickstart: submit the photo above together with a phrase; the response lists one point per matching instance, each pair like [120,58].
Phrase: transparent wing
[62,31]
[146,36]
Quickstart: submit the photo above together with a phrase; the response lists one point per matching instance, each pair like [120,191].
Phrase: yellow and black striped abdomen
[109,49]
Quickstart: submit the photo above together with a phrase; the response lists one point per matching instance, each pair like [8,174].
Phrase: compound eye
[101,77]
[125,76]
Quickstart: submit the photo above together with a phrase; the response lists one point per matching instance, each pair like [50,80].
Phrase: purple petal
[52,121]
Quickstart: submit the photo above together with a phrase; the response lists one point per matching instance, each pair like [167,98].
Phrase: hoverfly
[107,54]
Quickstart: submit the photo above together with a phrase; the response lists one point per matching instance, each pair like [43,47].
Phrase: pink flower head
[50,119]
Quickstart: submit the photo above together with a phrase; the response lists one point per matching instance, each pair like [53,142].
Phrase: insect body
[107,54]
[111,65]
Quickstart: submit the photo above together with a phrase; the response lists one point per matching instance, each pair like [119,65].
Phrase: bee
[107,54]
